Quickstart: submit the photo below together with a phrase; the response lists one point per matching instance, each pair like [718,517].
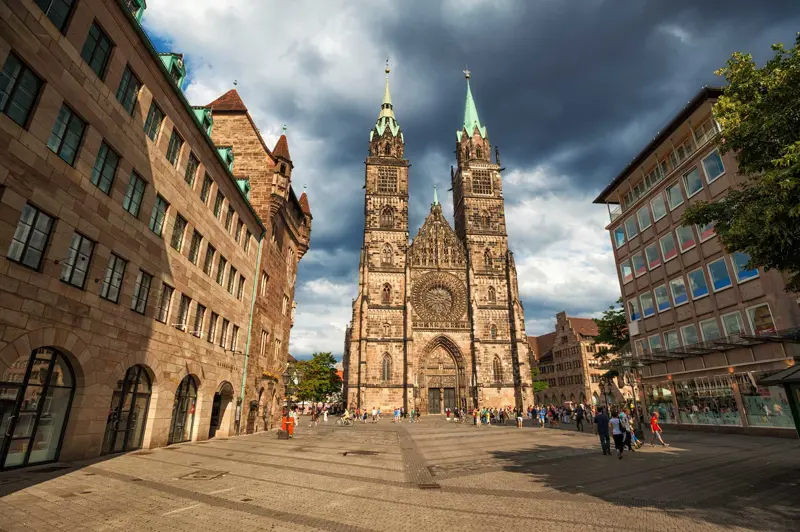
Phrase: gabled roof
[282,148]
[584,326]
[542,345]
[304,204]
[230,101]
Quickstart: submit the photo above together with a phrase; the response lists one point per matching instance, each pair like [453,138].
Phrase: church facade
[437,322]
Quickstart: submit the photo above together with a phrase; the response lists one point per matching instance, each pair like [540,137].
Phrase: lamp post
[288,379]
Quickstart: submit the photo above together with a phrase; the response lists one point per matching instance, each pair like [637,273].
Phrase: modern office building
[130,248]
[705,325]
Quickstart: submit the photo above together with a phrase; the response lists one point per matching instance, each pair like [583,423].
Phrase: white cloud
[677,32]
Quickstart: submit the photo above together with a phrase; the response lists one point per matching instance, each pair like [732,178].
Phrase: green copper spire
[471,120]
[435,196]
[386,116]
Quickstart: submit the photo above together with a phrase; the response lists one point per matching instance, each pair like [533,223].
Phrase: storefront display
[765,406]
[659,399]
[707,401]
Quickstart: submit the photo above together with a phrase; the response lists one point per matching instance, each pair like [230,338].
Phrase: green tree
[759,114]
[538,386]
[319,379]
[612,330]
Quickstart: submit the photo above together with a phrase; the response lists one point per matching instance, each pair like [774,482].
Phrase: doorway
[36,394]
[222,398]
[434,401]
[450,399]
[128,412]
[180,429]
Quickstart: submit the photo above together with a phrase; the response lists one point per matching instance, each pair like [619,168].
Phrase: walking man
[618,433]
[579,418]
[601,429]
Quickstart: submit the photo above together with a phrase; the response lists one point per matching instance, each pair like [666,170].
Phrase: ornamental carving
[436,244]
[438,297]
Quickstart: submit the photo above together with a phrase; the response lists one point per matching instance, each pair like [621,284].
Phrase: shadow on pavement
[19,479]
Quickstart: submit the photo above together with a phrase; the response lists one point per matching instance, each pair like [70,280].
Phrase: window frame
[650,266]
[634,314]
[208,261]
[155,222]
[67,17]
[73,116]
[677,336]
[648,218]
[219,201]
[229,217]
[222,266]
[82,238]
[686,293]
[703,332]
[705,282]
[108,277]
[650,343]
[666,294]
[137,298]
[619,230]
[678,237]
[652,301]
[18,87]
[130,192]
[26,245]
[667,190]
[639,254]
[174,147]
[683,335]
[686,182]
[635,226]
[709,179]
[674,247]
[700,232]
[212,327]
[102,34]
[152,128]
[737,270]
[184,307]
[663,203]
[194,253]
[750,318]
[199,315]
[162,312]
[192,165]
[223,337]
[629,278]
[180,236]
[123,91]
[205,189]
[740,320]
[231,284]
[711,275]
[98,175]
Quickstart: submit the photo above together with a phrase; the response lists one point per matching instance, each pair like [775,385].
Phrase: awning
[790,375]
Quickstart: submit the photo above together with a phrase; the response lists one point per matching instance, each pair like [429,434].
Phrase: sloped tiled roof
[230,101]
[541,345]
[282,148]
[584,326]
[304,204]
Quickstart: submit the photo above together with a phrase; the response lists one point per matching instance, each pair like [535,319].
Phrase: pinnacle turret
[386,117]
[471,119]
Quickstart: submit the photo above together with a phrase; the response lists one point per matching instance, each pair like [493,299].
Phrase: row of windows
[657,207]
[276,346]
[215,325]
[570,379]
[650,259]
[759,318]
[718,273]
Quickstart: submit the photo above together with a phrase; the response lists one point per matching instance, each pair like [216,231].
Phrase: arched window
[283,168]
[388,149]
[386,295]
[386,368]
[180,428]
[290,266]
[128,412]
[486,220]
[387,330]
[492,296]
[493,332]
[497,370]
[478,152]
[386,254]
[487,259]
[387,217]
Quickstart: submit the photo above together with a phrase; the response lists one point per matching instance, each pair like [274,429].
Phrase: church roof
[436,244]
[304,204]
[386,118]
[282,148]
[230,101]
[471,119]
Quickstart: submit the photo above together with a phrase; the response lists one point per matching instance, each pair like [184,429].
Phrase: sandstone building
[437,322]
[144,264]
[705,325]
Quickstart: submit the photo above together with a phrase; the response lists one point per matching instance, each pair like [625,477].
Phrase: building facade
[437,323]
[705,325]
[566,360]
[130,247]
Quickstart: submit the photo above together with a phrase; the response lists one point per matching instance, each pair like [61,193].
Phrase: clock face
[439,300]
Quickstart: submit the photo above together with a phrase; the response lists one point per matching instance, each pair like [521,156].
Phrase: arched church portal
[441,381]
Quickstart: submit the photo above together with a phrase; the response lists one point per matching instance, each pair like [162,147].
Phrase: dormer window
[175,73]
[283,168]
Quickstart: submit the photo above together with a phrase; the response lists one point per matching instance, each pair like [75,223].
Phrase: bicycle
[344,422]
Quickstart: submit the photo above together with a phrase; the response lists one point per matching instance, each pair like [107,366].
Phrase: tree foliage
[319,379]
[759,114]
[612,330]
[538,385]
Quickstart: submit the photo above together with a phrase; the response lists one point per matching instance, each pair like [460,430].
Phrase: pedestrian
[579,418]
[656,428]
[364,416]
[375,414]
[618,433]
[601,429]
[542,415]
[519,418]
[474,417]
[325,416]
[628,426]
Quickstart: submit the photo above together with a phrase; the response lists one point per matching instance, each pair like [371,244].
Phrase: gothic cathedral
[437,323]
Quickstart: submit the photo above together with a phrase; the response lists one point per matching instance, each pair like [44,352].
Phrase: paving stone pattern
[426,476]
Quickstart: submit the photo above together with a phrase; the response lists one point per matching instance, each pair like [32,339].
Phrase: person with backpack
[601,424]
[579,418]
[617,432]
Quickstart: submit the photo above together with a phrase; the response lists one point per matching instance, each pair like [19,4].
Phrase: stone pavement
[432,475]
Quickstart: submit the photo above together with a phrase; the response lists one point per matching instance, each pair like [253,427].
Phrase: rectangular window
[672,340]
[194,247]
[626,271]
[174,148]
[693,182]
[277,346]
[264,342]
[191,169]
[678,289]
[247,236]
[630,228]
[231,279]
[639,266]
[689,335]
[158,214]
[712,165]
[208,264]
[212,327]
[264,280]
[387,179]
[668,248]
[132,201]
[740,260]
[718,273]
[658,206]
[662,298]
[177,232]
[30,237]
[183,313]
[229,218]
[633,308]
[238,234]
[643,215]
[57,11]
[732,323]
[96,50]
[761,321]
[234,337]
[164,303]
[128,91]
[76,265]
[648,308]
[105,166]
[199,316]
[141,291]
[218,204]
[223,337]
[709,329]
[653,257]
[240,288]
[685,237]
[706,231]
[112,282]
[65,139]
[481,182]
[19,88]
[674,196]
[697,284]
[285,305]
[655,343]
[153,123]
[206,188]
[619,236]
[223,263]
[705,131]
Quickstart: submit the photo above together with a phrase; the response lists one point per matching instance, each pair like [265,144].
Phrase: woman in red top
[656,428]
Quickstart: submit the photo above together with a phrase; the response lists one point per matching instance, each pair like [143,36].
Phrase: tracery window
[387,179]
[478,152]
[388,149]
[386,255]
[386,294]
[492,296]
[481,182]
[487,259]
[493,332]
[497,370]
[387,217]
[387,330]
[386,368]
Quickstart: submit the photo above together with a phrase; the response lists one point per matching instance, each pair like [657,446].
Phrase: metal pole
[249,330]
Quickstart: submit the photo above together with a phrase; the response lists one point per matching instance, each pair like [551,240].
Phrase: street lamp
[288,378]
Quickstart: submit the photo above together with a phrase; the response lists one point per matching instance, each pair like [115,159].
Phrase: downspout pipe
[250,329]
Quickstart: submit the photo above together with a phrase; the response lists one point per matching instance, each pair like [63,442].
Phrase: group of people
[621,426]
[364,414]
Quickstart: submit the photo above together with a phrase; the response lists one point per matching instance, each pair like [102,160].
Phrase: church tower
[500,353]
[378,311]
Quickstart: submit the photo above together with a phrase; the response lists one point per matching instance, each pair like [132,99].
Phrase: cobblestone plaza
[433,475]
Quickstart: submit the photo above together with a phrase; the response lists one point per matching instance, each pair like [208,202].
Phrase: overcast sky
[569,90]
